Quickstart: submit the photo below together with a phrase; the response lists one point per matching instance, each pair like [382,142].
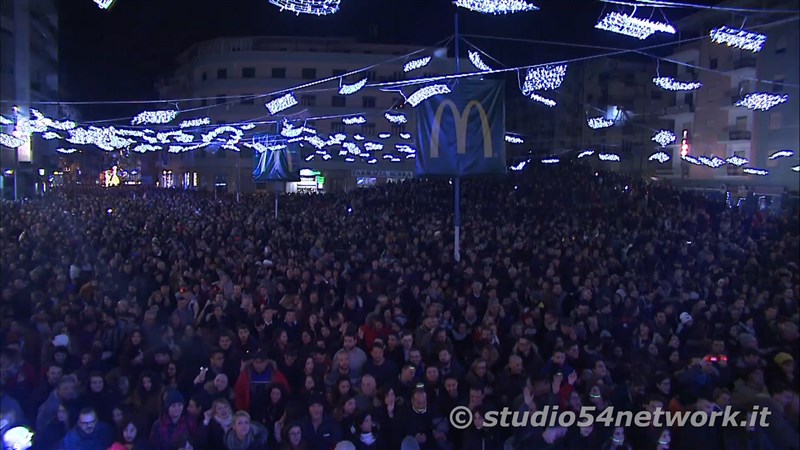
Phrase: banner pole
[457,199]
[277,187]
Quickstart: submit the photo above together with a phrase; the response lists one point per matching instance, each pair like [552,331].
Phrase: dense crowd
[164,320]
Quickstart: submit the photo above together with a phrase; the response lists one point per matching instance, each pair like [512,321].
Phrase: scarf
[234,443]
[225,423]
[367,438]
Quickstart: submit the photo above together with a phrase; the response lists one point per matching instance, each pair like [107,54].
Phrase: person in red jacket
[255,378]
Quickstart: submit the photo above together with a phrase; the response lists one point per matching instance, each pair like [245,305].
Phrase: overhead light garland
[51,135]
[544,78]
[713,162]
[551,161]
[632,26]
[737,161]
[427,92]
[664,138]
[671,84]
[355,120]
[549,102]
[514,139]
[192,123]
[405,135]
[104,138]
[104,4]
[496,6]
[312,7]
[373,146]
[660,157]
[163,116]
[740,39]
[477,61]
[519,166]
[755,171]
[403,148]
[144,148]
[416,64]
[348,89]
[761,101]
[66,151]
[281,103]
[796,168]
[10,141]
[609,157]
[692,160]
[782,154]
[384,135]
[596,123]
[395,118]
[585,153]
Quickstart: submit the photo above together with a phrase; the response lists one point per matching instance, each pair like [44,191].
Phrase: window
[339,72]
[337,127]
[221,99]
[222,74]
[778,84]
[309,74]
[780,45]
[308,100]
[775,120]
[713,63]
[203,102]
[398,128]
[278,72]
[248,99]
[655,95]
[204,76]
[688,98]
[339,101]
[368,128]
[372,75]
[248,72]
[744,87]
[741,123]
[368,102]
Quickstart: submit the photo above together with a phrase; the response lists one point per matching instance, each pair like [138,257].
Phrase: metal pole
[16,172]
[238,179]
[457,199]
[277,187]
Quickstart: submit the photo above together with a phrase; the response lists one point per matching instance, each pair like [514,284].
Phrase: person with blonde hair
[246,435]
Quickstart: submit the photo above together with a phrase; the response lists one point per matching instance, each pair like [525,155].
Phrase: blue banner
[463,133]
[279,162]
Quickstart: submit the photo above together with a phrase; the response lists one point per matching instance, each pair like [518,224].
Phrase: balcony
[682,108]
[744,62]
[735,135]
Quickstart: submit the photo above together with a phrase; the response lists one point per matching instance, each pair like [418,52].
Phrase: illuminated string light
[496,6]
[691,159]
[51,135]
[373,146]
[348,89]
[326,157]
[247,126]
[403,148]
[312,7]
[411,155]
[5,121]
[281,103]
[372,161]
[385,135]
[599,122]
[551,161]
[343,153]
[416,64]
[545,78]
[358,137]
[309,157]
[585,153]
[608,157]
[782,154]
[235,132]
[349,159]
[549,102]
[289,130]
[740,39]
[664,138]
[518,167]
[477,61]
[143,148]
[632,26]
[352,148]
[761,101]
[178,135]
[754,171]
[671,84]
[395,118]
[46,122]
[427,92]
[737,161]
[66,151]
[659,156]
[354,120]
[104,138]
[104,4]
[191,123]
[405,135]
[514,139]
[388,156]
[713,162]
[796,168]
[164,116]
[10,141]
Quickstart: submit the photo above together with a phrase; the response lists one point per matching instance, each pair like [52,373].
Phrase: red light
[685,143]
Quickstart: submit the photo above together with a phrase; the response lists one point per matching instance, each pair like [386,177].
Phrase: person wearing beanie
[174,427]
[319,429]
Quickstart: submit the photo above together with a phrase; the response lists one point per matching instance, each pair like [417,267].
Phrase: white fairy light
[659,156]
[372,161]
[409,156]
[761,101]
[191,123]
[309,157]
[416,64]
[313,7]
[754,171]
[664,137]
[385,135]
[514,139]
[143,148]
[281,103]
[66,151]
[599,122]
[585,153]
[477,61]
[551,161]
[314,140]
[388,156]
[343,153]
[247,126]
[41,122]
[373,146]
[352,148]
[671,84]
[358,137]
[395,118]
[405,135]
[796,168]
[289,130]
[544,78]
[10,141]
[740,39]
[427,92]
[5,121]
[326,157]
[163,116]
[496,6]
[632,26]
[349,159]
[354,120]
[518,167]
[737,161]
[51,135]
[608,157]
[107,139]
[548,102]
[712,162]
[782,154]
[691,159]
[104,4]
[178,135]
[237,134]
[348,89]
[403,148]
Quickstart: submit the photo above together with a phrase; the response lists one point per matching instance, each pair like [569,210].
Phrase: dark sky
[120,53]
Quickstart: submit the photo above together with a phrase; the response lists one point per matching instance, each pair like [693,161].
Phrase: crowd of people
[161,319]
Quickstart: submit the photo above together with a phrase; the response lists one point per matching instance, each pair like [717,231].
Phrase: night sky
[119,54]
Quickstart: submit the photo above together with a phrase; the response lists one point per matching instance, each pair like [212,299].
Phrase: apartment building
[223,75]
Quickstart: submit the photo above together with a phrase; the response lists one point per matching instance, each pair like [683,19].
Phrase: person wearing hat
[786,366]
[174,427]
[254,378]
[319,429]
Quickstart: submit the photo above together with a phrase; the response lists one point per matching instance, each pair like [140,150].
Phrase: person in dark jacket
[89,433]
[320,430]
[246,435]
[174,427]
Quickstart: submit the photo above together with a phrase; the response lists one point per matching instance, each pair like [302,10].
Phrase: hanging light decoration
[691,159]
[191,123]
[664,138]
[782,154]
[761,101]
[660,157]
[740,39]
[354,120]
[416,64]
[511,139]
[551,161]
[496,6]
[632,26]
[544,78]
[608,157]
[585,153]
[427,92]
[164,116]
[599,122]
[671,84]
[549,102]
[281,103]
[104,4]
[477,61]
[755,171]
[737,161]
[347,89]
[395,118]
[313,7]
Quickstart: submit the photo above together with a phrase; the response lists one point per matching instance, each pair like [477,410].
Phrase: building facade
[225,74]
[715,127]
